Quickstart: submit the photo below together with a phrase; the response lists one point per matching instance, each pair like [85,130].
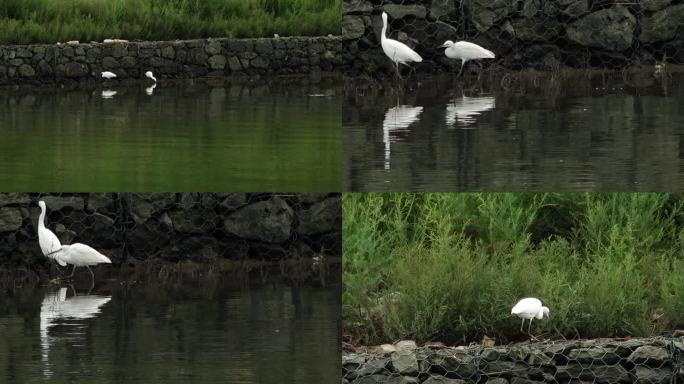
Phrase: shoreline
[174,59]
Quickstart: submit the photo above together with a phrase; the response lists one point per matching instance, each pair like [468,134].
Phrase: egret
[49,243]
[80,255]
[108,75]
[149,75]
[529,308]
[397,51]
[465,51]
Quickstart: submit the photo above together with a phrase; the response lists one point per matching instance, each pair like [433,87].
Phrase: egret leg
[72,271]
[92,279]
[522,324]
[528,327]
[398,72]
[461,70]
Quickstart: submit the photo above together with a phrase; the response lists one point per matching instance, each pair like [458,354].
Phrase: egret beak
[442,46]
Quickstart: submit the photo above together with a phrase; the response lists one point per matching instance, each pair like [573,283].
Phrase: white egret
[465,51]
[108,75]
[397,51]
[49,243]
[80,255]
[149,75]
[529,308]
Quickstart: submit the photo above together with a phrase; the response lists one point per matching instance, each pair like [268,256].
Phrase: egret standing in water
[529,308]
[397,51]
[48,241]
[465,51]
[108,75]
[80,255]
[150,76]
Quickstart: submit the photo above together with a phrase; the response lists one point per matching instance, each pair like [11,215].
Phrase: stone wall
[58,63]
[653,360]
[129,227]
[522,33]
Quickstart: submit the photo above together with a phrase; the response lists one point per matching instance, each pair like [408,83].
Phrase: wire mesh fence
[130,227]
[639,360]
[525,33]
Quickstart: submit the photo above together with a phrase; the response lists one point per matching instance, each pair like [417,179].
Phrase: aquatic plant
[449,267]
[50,21]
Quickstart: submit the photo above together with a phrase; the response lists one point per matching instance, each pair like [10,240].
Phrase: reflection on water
[397,120]
[69,313]
[213,329]
[465,110]
[184,136]
[576,132]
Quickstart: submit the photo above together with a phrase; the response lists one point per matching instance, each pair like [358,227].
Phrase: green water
[183,137]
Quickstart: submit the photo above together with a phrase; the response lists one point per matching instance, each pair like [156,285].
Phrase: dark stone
[610,29]
[646,375]
[26,70]
[56,203]
[234,201]
[269,221]
[13,198]
[217,62]
[662,25]
[321,217]
[451,363]
[649,355]
[11,219]
[75,70]
[110,63]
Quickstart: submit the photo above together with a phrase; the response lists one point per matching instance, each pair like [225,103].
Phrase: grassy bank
[449,267]
[50,21]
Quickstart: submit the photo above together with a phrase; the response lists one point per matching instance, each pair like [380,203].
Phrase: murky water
[580,133]
[186,136]
[226,329]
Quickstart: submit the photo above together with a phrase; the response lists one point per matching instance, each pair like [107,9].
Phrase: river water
[179,136]
[534,132]
[208,329]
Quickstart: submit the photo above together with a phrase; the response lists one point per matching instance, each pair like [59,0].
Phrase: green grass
[449,267]
[50,21]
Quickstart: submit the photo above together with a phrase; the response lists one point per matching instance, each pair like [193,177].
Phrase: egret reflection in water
[397,119]
[69,312]
[464,110]
[108,94]
[150,90]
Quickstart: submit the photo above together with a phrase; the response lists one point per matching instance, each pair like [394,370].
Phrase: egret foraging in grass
[529,308]
[397,51]
[80,255]
[465,51]
[49,243]
[149,75]
[108,75]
